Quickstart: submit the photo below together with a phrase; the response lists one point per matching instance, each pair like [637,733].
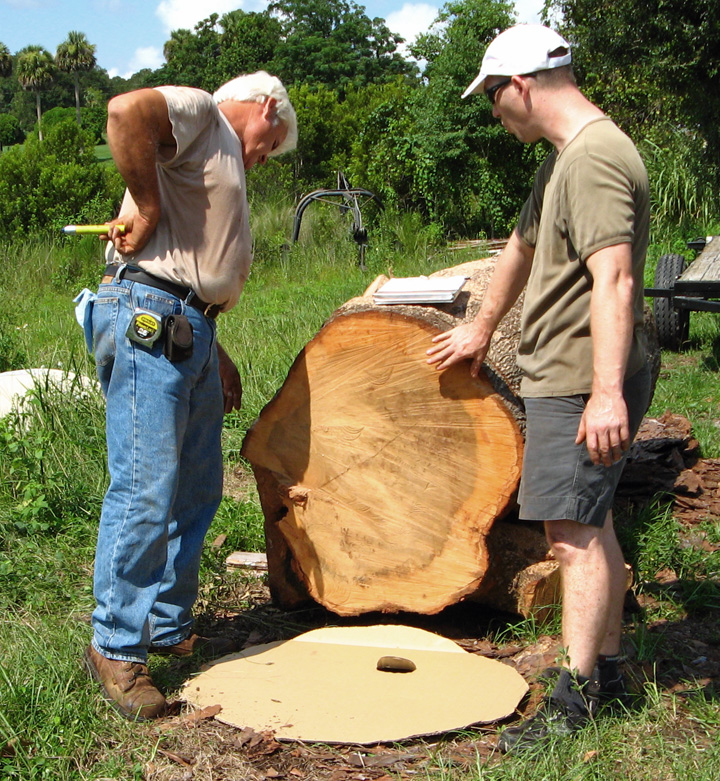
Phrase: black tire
[673,325]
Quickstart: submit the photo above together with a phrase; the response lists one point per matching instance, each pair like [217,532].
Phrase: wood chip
[175,758]
[247,560]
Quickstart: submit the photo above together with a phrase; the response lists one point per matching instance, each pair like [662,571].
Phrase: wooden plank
[706,267]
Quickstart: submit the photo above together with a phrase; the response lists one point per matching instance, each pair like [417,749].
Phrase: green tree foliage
[474,177]
[192,57]
[10,130]
[384,155]
[46,185]
[654,68]
[428,149]
[333,42]
[55,116]
[6,63]
[142,78]
[75,54]
[248,43]
[94,114]
[35,72]
[323,134]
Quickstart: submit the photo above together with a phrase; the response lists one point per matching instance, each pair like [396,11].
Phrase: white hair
[257,88]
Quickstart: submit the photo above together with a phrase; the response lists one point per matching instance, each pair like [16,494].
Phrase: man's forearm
[472,340]
[508,281]
[605,426]
[611,317]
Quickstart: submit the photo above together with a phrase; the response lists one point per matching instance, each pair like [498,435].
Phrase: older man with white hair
[178,255]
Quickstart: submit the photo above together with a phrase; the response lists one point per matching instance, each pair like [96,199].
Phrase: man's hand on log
[464,341]
[605,428]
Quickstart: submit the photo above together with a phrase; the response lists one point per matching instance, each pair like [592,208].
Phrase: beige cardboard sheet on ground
[324,686]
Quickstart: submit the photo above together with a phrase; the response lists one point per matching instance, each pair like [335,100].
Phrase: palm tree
[35,70]
[74,55]
[5,60]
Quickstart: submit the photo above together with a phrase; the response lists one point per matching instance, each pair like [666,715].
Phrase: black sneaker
[554,719]
[611,693]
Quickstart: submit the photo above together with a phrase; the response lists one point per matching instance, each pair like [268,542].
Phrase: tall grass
[683,186]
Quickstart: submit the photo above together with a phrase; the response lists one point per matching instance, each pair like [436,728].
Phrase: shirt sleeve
[600,204]
[190,111]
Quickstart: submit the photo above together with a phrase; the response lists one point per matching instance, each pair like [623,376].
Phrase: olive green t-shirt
[592,195]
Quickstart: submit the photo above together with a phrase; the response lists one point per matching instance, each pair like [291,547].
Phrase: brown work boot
[126,686]
[208,647]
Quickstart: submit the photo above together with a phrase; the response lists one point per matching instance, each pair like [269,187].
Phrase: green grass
[52,477]
[689,382]
[102,153]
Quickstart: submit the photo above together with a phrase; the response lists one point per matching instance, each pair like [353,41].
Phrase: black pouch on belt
[178,338]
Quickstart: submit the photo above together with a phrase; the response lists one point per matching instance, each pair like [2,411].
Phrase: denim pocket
[104,321]
[155,301]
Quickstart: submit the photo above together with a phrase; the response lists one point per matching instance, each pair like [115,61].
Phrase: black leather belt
[185,294]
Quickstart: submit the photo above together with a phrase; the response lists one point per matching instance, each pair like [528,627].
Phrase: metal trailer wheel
[673,325]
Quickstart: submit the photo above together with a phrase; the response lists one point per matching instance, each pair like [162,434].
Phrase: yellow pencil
[98,229]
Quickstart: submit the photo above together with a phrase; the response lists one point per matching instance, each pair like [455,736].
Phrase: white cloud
[177,14]
[528,11]
[411,20]
[145,57]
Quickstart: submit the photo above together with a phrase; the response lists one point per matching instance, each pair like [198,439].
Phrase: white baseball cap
[525,48]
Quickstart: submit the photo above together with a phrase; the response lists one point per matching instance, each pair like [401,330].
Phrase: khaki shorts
[559,481]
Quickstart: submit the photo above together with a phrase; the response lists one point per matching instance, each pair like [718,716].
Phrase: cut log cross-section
[390,472]
[381,478]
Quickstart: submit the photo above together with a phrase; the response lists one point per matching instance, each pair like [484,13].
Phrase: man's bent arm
[472,340]
[138,128]
[605,425]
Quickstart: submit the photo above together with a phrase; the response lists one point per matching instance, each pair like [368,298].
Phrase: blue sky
[129,34]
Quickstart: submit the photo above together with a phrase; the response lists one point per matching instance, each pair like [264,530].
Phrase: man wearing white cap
[578,251]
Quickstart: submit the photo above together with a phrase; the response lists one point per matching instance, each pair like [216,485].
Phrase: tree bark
[382,480]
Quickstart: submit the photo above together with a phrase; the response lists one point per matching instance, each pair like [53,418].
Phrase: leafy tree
[328,42]
[472,176]
[10,131]
[35,71]
[6,68]
[55,116]
[333,42]
[192,57]
[384,154]
[94,115]
[6,63]
[46,185]
[654,68]
[319,113]
[73,55]
[248,43]
[429,150]
[142,78]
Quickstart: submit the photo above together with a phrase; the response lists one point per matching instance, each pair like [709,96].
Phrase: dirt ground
[195,745]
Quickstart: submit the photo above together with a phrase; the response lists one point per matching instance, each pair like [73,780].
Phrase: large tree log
[381,478]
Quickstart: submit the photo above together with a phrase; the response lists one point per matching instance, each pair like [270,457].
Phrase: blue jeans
[163,427]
